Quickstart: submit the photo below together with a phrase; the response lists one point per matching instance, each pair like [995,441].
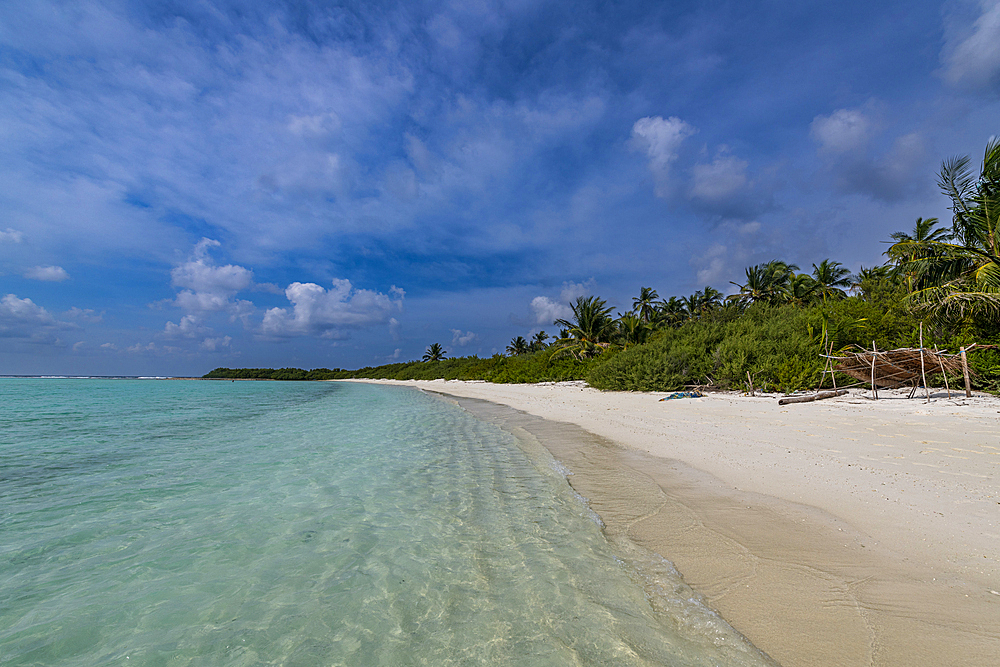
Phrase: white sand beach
[840,532]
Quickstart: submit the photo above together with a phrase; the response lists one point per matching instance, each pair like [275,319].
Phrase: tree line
[772,330]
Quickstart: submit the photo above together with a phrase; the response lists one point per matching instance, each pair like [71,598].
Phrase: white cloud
[843,131]
[661,140]
[210,288]
[720,179]
[11,236]
[23,318]
[53,274]
[189,327]
[213,344]
[462,339]
[84,314]
[109,346]
[546,310]
[971,55]
[317,311]
[78,346]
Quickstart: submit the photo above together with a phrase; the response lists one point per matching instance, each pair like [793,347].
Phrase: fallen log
[815,397]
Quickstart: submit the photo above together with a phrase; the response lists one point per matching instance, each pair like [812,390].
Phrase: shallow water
[260,523]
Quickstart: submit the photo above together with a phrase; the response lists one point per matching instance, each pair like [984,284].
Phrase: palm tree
[518,346]
[831,277]
[765,282]
[644,305]
[701,302]
[800,289]
[538,341]
[923,244]
[670,312]
[434,352]
[591,329]
[960,275]
[632,330]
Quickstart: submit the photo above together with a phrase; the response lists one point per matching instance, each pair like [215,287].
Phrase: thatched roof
[895,368]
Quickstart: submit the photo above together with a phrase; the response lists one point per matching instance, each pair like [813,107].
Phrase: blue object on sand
[683,394]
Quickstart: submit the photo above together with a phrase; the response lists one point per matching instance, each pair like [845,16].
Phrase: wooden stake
[874,354]
[922,373]
[832,376]
[965,372]
[943,374]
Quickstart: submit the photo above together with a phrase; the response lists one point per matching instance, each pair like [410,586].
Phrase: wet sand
[841,532]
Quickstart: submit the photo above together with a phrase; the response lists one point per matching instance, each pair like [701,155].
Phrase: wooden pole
[874,354]
[965,373]
[922,373]
[832,369]
[943,374]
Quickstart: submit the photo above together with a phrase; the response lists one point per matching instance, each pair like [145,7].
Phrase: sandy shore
[840,532]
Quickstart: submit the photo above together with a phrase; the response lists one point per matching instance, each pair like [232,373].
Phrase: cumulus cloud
[327,313]
[720,179]
[23,318]
[843,131]
[546,310]
[971,55]
[11,236]
[189,327]
[206,287]
[660,139]
[847,139]
[53,274]
[84,314]
[462,339]
[214,344]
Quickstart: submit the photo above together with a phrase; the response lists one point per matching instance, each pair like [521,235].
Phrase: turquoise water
[149,522]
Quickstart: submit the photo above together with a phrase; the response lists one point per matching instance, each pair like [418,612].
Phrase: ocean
[156,522]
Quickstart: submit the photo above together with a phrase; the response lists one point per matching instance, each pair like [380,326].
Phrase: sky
[187,185]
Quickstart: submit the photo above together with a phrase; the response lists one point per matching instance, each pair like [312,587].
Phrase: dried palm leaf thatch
[895,368]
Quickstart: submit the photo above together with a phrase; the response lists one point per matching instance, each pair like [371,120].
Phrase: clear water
[149,522]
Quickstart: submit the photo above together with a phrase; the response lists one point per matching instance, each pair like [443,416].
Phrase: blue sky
[195,184]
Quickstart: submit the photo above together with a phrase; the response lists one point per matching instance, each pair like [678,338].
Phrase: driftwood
[813,397]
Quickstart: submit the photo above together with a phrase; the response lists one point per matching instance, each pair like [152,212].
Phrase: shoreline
[841,532]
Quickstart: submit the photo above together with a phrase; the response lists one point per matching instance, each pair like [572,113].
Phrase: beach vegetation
[939,287]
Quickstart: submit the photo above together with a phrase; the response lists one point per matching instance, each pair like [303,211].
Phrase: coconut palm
[538,341]
[831,278]
[800,289]
[518,346]
[644,305]
[669,312]
[434,353]
[590,331]
[632,330]
[701,302]
[922,244]
[765,282]
[962,273]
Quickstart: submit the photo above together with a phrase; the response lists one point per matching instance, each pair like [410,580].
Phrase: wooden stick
[819,396]
[922,373]
[832,376]
[965,372]
[874,354]
[750,382]
[945,375]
